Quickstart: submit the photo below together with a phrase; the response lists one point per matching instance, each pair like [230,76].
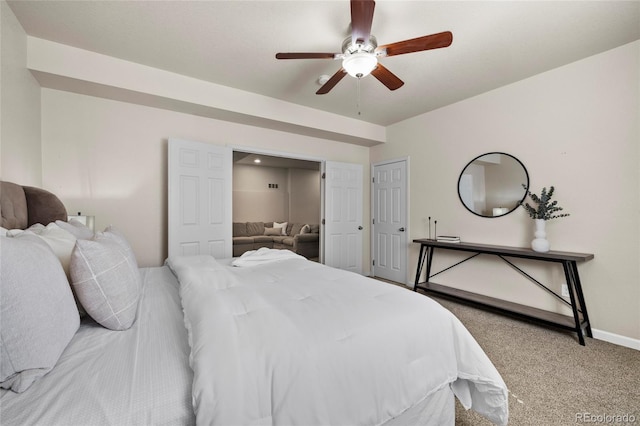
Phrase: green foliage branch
[545,208]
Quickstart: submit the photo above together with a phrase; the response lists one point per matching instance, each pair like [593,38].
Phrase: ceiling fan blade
[433,41]
[386,77]
[305,55]
[361,19]
[332,82]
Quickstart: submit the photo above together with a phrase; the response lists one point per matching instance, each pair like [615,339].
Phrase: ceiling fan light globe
[359,64]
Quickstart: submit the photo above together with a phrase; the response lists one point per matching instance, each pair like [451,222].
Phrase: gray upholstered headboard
[23,206]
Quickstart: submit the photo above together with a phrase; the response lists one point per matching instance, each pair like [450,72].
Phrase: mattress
[138,376]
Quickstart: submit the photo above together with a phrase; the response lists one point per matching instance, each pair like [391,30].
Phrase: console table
[577,323]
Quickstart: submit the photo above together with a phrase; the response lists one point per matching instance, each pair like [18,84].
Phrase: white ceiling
[233,43]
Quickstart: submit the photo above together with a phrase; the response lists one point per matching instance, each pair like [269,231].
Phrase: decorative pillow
[272,231]
[115,235]
[39,316]
[105,281]
[306,229]
[296,228]
[282,225]
[60,242]
[76,228]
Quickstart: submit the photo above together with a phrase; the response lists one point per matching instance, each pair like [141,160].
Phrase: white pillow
[77,228]
[36,228]
[39,316]
[306,229]
[282,225]
[59,240]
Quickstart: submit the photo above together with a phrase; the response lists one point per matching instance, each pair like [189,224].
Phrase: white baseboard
[616,339]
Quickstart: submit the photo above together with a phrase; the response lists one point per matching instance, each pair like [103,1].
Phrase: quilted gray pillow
[39,315]
[106,280]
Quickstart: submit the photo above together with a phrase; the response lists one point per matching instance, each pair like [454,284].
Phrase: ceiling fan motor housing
[359,59]
[348,47]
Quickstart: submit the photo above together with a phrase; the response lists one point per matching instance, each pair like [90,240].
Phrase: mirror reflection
[491,184]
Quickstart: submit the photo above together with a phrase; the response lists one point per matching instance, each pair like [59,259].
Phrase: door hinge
[324,175]
[374,262]
[373,221]
[322,221]
[373,180]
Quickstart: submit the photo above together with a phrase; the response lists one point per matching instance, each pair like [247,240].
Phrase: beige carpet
[553,380]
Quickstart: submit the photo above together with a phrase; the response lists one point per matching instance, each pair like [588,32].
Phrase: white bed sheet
[296,342]
[139,376]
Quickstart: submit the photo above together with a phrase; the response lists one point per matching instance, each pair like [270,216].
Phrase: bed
[269,338]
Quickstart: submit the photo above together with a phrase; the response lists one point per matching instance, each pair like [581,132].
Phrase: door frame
[405,252]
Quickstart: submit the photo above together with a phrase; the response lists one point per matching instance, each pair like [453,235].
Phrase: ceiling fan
[360,52]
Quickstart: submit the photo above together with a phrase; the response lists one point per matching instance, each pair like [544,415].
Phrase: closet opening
[277,203]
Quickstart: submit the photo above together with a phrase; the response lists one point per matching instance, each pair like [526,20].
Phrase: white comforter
[263,255]
[295,342]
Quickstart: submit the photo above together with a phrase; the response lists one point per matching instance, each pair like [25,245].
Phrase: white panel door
[343,216]
[389,221]
[200,199]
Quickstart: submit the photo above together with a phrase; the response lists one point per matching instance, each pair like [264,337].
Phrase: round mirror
[491,185]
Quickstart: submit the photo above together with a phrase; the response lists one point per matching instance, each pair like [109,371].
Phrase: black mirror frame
[526,190]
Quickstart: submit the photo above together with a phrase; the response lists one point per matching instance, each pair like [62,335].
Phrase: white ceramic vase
[540,243]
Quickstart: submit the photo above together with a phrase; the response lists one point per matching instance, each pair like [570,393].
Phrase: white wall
[296,198]
[254,200]
[575,127]
[108,159]
[19,106]
[304,200]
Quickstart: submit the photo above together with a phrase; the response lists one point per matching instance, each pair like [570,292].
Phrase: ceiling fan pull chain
[358,96]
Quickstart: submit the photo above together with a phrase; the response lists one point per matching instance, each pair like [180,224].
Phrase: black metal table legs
[579,322]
